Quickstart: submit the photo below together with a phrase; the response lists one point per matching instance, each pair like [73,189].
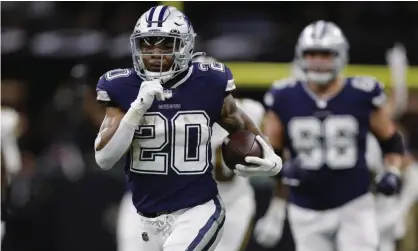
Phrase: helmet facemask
[161,55]
[320,66]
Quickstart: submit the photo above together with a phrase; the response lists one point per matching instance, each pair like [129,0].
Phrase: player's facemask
[320,69]
[161,55]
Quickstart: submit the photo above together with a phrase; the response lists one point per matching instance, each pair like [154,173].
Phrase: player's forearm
[281,191]
[234,119]
[238,120]
[113,142]
[105,135]
[393,148]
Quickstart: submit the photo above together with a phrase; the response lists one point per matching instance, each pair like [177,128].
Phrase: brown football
[239,145]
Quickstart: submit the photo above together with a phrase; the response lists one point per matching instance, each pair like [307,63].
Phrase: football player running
[160,113]
[323,120]
[235,191]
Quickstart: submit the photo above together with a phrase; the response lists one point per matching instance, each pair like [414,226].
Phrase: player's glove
[269,165]
[269,228]
[389,183]
[148,91]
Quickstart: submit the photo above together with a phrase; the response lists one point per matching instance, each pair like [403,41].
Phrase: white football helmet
[159,25]
[322,36]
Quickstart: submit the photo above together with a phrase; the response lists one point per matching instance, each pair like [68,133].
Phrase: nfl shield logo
[145,236]
[167,93]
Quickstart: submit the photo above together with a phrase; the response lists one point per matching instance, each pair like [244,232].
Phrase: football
[239,145]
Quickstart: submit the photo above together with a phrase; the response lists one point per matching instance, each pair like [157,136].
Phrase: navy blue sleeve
[378,96]
[271,98]
[102,91]
[274,97]
[230,82]
[372,88]
[219,74]
[107,86]
[273,101]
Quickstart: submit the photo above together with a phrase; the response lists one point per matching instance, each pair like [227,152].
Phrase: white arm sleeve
[107,157]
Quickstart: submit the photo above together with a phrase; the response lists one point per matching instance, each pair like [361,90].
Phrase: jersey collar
[180,79]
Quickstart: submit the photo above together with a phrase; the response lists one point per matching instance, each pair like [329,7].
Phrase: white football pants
[238,224]
[191,229]
[347,228]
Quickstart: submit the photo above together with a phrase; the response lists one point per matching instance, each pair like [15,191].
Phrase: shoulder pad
[273,95]
[109,81]
[372,88]
[219,73]
[284,83]
[365,83]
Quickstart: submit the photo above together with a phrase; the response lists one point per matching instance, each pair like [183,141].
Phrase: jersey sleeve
[378,96]
[102,91]
[270,98]
[107,90]
[275,96]
[272,101]
[218,75]
[230,84]
[372,89]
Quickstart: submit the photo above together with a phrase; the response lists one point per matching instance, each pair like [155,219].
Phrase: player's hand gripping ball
[248,154]
[239,145]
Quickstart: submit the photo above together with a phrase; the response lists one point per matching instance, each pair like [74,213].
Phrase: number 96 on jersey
[330,142]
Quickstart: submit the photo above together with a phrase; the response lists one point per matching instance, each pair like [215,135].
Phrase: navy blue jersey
[329,136]
[169,162]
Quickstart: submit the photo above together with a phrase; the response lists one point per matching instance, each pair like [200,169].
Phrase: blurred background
[53,53]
